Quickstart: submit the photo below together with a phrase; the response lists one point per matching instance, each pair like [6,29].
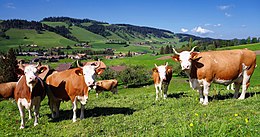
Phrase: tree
[167,50]
[8,67]
[162,50]
[248,40]
[254,40]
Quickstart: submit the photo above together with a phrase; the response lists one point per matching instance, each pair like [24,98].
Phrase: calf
[222,67]
[73,85]
[106,85]
[7,90]
[162,76]
[29,92]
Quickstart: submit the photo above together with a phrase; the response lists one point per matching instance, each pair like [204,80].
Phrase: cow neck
[192,72]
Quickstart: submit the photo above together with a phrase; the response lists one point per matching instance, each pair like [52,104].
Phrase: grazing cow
[223,67]
[162,76]
[106,85]
[72,84]
[29,92]
[7,90]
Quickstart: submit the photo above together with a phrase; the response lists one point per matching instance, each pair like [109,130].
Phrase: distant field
[47,39]
[254,47]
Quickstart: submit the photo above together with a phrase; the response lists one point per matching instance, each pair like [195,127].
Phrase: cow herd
[202,68]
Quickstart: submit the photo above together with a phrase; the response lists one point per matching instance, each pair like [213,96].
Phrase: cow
[162,76]
[106,85]
[222,67]
[7,90]
[29,92]
[74,85]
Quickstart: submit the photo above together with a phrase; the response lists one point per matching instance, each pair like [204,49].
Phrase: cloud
[243,26]
[224,7]
[217,25]
[10,6]
[201,31]
[227,14]
[184,30]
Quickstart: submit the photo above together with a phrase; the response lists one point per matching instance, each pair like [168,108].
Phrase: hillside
[65,31]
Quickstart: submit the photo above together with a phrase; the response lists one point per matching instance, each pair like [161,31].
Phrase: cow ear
[19,71]
[155,70]
[176,58]
[42,69]
[79,72]
[194,55]
[99,71]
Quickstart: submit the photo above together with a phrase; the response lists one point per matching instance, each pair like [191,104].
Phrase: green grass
[47,39]
[255,46]
[85,35]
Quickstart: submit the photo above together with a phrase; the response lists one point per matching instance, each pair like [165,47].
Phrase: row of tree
[8,67]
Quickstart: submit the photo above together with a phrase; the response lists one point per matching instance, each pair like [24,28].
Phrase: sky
[224,19]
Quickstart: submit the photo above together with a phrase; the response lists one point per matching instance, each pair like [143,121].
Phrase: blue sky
[225,19]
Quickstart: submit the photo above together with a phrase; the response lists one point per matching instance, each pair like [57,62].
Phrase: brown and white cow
[7,90]
[223,67]
[29,92]
[106,85]
[72,84]
[162,76]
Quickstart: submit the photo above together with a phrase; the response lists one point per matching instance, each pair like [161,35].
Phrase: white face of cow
[162,71]
[185,60]
[30,73]
[89,74]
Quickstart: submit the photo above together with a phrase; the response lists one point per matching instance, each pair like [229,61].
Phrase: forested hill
[105,29]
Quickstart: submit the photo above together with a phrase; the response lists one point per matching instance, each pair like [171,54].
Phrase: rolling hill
[64,31]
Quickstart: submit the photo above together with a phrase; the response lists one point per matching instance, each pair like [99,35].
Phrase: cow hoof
[201,100]
[205,103]
[21,127]
[74,120]
[35,124]
[241,98]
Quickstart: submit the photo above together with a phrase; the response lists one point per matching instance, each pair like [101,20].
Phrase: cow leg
[245,84]
[30,113]
[36,110]
[165,89]
[157,92]
[74,109]
[206,87]
[237,87]
[201,95]
[21,110]
[82,108]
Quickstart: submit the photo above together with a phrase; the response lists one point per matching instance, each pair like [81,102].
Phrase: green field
[255,46]
[134,111]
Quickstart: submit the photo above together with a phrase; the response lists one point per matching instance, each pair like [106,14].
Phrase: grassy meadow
[134,111]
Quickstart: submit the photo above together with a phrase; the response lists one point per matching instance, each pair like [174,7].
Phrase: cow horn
[166,64]
[99,63]
[175,51]
[78,64]
[155,65]
[38,64]
[193,49]
[21,66]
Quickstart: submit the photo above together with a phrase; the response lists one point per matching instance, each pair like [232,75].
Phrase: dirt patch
[257,52]
[164,58]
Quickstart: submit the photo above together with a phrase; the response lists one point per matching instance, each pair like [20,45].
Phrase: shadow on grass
[231,95]
[177,95]
[95,112]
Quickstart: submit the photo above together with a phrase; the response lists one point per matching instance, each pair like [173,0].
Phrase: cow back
[65,85]
[7,90]
[225,65]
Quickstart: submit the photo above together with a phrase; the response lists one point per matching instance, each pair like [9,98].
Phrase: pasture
[134,111]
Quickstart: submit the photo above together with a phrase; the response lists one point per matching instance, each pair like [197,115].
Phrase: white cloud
[207,24]
[217,25]
[243,26]
[201,31]
[227,14]
[184,30]
[224,7]
[10,6]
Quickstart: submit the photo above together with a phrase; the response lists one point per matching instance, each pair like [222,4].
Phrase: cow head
[31,73]
[89,72]
[161,70]
[185,58]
